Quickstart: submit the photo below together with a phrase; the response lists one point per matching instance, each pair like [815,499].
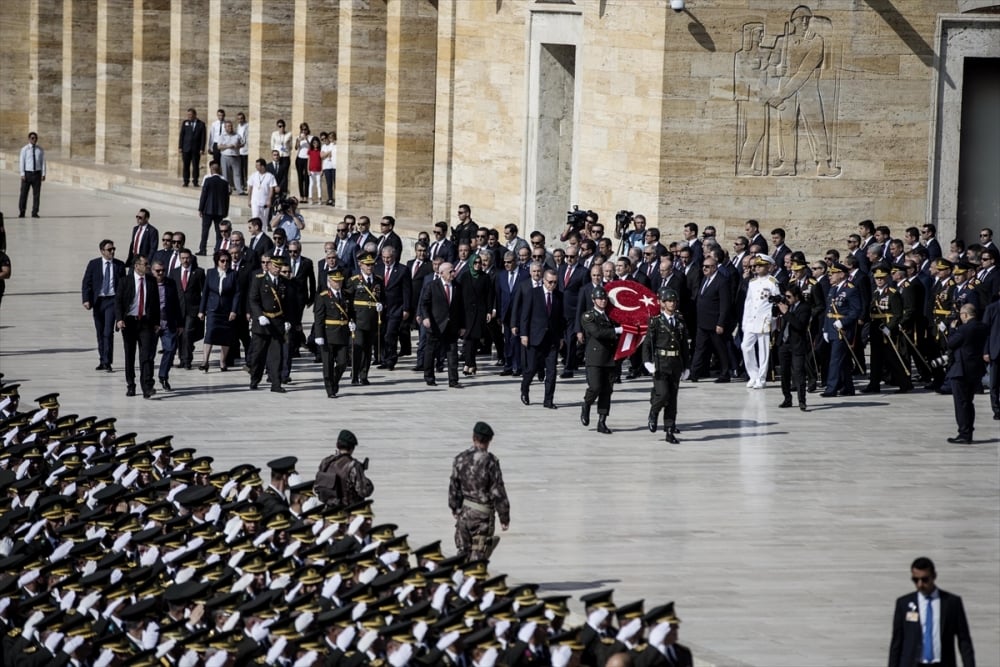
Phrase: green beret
[483,430]
[347,440]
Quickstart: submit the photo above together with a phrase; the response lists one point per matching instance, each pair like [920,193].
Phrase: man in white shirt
[756,325]
[31,166]
[214,132]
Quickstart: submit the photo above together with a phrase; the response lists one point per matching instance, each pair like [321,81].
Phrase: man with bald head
[444,320]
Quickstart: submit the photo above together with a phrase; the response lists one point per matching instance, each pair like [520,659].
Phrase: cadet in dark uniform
[886,314]
[331,332]
[476,494]
[599,358]
[276,496]
[365,293]
[665,354]
[268,292]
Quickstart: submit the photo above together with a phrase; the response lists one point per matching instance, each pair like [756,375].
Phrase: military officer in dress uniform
[476,495]
[268,292]
[665,354]
[814,299]
[843,308]
[943,313]
[599,358]
[886,315]
[331,331]
[365,295]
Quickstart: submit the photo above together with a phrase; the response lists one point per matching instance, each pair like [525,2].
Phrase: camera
[623,220]
[576,218]
[939,362]
[775,298]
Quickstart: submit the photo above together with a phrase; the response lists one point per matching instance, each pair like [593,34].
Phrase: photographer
[635,238]
[794,346]
[578,221]
[289,219]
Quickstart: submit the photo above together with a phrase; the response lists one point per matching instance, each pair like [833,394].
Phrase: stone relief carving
[786,87]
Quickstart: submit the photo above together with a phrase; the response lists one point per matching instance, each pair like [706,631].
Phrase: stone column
[270,74]
[361,104]
[150,84]
[411,68]
[444,118]
[45,66]
[15,35]
[188,71]
[79,78]
[229,60]
[113,108]
[314,70]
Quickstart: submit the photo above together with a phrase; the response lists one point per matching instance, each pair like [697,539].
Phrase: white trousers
[756,354]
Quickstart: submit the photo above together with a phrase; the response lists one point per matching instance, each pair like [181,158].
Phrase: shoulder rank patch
[588,316]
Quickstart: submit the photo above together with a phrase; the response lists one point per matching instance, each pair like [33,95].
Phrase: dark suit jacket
[392,240]
[505,296]
[797,322]
[906,645]
[967,342]
[322,271]
[933,249]
[170,307]
[638,277]
[244,274]
[779,255]
[541,327]
[305,281]
[147,247]
[214,196]
[991,318]
[714,304]
[93,277]
[447,318]
[398,293]
[347,251]
[571,291]
[760,241]
[417,281]
[126,293]
[264,244]
[190,299]
[221,302]
[447,250]
[192,136]
[276,169]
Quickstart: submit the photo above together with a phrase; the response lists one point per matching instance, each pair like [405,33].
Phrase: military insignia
[588,316]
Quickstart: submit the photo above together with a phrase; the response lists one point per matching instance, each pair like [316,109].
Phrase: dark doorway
[979,160]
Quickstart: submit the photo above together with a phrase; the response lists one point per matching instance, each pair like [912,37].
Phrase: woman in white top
[329,155]
[302,160]
[281,141]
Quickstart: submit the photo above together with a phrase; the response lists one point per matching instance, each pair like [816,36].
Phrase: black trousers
[141,335]
[883,357]
[793,374]
[664,396]
[391,325]
[334,363]
[32,180]
[446,346]
[364,342]
[705,342]
[963,391]
[185,347]
[542,356]
[267,350]
[207,223]
[104,323]
[302,170]
[600,384]
[994,367]
[242,337]
[192,166]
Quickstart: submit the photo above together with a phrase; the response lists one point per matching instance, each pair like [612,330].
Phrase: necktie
[388,270]
[225,244]
[34,158]
[173,261]
[548,302]
[447,293]
[142,297]
[461,265]
[106,284]
[569,274]
[510,281]
[184,280]
[929,632]
[138,238]
[670,322]
[336,296]
[416,267]
[705,286]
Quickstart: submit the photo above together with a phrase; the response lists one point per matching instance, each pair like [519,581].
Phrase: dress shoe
[525,399]
[187,367]
[787,403]
[516,374]
[254,385]
[35,215]
[390,367]
[165,383]
[148,394]
[565,375]
[417,369]
[829,394]
[550,405]
[849,392]
[959,440]
[365,382]
[674,430]
[506,373]
[811,388]
[671,438]
[651,422]
[904,390]
[585,414]
[279,390]
[109,369]
[101,367]
[20,215]
[802,407]
[456,385]
[203,368]
[381,366]
[722,379]
[330,394]
[602,426]
[130,391]
[355,383]
[431,383]
[871,389]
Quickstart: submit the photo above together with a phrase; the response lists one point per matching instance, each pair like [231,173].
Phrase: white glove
[327,533]
[359,610]
[121,542]
[319,341]
[487,600]
[686,374]
[184,575]
[352,326]
[213,514]
[107,655]
[596,617]
[259,633]
[129,479]
[33,496]
[263,537]
[52,641]
[885,331]
[389,557]
[398,659]
[231,622]
[189,659]
[501,628]
[649,366]
[306,660]
[629,629]
[34,530]
[27,578]
[116,574]
[244,493]
[826,337]
[288,327]
[263,321]
[174,554]
[561,656]
[345,638]
[440,595]
[61,551]
[331,585]
[33,620]
[367,640]
[618,330]
[527,631]
[88,602]
[378,307]
[119,471]
[217,660]
[275,651]
[72,644]
[295,479]
[368,575]
[942,327]
[235,559]
[466,588]
[174,491]
[293,592]
[150,636]
[303,620]
[67,601]
[291,549]
[242,583]
[280,582]
[233,526]
[227,488]
[6,545]
[164,648]
[489,658]
[658,634]
[110,609]
[837,324]
[447,640]
[355,524]
[420,631]
[311,503]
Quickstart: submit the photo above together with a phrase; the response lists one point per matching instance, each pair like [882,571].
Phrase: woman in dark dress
[219,302]
[477,297]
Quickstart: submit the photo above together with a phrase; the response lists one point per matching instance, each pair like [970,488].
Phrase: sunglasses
[921,580]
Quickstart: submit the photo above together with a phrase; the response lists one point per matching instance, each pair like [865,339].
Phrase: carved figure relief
[786,87]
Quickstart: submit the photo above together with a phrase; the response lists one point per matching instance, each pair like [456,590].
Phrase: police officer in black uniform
[268,293]
[665,354]
[599,358]
[366,295]
[331,331]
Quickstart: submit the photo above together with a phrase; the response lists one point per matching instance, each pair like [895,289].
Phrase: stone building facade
[808,117]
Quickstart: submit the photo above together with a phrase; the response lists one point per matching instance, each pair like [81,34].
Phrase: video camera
[576,218]
[623,220]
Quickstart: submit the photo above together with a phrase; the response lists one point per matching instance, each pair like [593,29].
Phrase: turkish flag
[632,304]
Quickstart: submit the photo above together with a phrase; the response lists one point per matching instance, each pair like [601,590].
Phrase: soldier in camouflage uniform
[665,355]
[599,357]
[476,494]
[341,479]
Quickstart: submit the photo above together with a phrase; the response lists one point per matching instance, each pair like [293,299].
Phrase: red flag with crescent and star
[631,306]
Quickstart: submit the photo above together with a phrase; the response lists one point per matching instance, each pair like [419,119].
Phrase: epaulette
[587,316]
[259,275]
[892,290]
[772,279]
[849,284]
[325,293]
[640,648]
[608,641]
[13,632]
[812,281]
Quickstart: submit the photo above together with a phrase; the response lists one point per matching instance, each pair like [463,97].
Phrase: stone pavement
[783,537]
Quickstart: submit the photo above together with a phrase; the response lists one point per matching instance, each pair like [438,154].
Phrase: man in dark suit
[444,319]
[928,239]
[417,269]
[541,325]
[144,238]
[137,316]
[279,169]
[521,293]
[213,206]
[780,249]
[795,345]
[170,325]
[362,237]
[507,283]
[752,230]
[190,281]
[927,623]
[396,282]
[346,249]
[572,277]
[331,261]
[191,144]
[389,237]
[268,294]
[101,280]
[967,341]
[441,246]
[302,279]
[246,265]
[991,318]
[260,243]
[713,303]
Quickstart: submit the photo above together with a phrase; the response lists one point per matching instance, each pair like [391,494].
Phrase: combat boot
[602,426]
[651,422]
[585,414]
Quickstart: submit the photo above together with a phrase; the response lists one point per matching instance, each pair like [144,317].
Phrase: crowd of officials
[116,551]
